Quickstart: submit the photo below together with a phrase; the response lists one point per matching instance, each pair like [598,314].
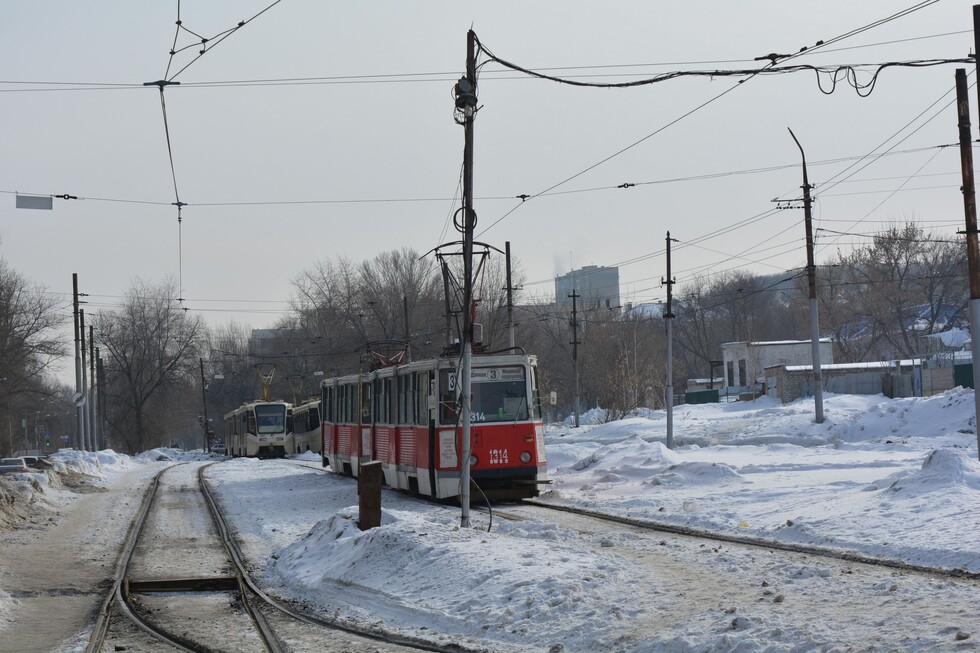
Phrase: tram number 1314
[498,457]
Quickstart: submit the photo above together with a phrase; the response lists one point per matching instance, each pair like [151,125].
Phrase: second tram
[259,429]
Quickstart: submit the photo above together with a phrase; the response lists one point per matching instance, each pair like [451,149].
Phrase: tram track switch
[369,495]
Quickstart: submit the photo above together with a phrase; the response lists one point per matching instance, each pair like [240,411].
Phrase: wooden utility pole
[811,275]
[575,343]
[970,212]
[668,320]
[204,401]
[510,300]
[93,389]
[85,407]
[79,397]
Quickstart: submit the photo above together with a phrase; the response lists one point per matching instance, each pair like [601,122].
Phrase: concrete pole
[972,246]
[466,103]
[811,273]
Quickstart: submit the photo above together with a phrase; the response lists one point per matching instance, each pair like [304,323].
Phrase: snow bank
[501,586]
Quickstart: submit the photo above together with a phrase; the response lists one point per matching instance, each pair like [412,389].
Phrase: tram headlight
[525,457]
[473,460]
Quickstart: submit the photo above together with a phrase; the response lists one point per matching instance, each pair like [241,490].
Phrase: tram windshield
[499,394]
[270,418]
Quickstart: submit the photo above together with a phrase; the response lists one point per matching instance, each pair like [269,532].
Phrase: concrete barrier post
[369,477]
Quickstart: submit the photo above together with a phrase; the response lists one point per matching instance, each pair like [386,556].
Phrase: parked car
[219,449]
[12,465]
[31,461]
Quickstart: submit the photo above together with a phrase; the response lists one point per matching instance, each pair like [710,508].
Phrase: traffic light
[47,439]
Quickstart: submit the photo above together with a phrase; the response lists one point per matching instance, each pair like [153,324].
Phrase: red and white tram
[406,416]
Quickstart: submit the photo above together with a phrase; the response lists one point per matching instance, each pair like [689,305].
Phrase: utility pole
[204,401]
[575,343]
[466,101]
[668,321]
[79,395]
[88,436]
[99,401]
[100,370]
[92,388]
[811,275]
[510,300]
[408,342]
[970,211]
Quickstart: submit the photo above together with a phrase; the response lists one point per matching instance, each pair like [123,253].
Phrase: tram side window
[447,396]
[366,397]
[382,401]
[422,398]
[315,417]
[405,398]
[343,410]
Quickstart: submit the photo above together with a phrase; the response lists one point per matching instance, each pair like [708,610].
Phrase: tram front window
[500,401]
[270,418]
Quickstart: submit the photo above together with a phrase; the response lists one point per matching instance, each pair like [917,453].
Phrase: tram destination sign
[490,375]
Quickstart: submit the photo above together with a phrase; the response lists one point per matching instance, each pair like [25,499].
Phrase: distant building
[267,342]
[745,362]
[597,286]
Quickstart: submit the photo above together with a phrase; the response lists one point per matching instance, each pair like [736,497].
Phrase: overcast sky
[364,155]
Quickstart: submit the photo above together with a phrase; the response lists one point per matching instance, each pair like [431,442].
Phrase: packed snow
[890,478]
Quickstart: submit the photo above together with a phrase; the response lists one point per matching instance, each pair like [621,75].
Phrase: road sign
[78,399]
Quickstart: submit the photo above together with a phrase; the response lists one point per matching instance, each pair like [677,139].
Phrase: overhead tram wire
[494,198]
[168,80]
[441,77]
[748,75]
[909,135]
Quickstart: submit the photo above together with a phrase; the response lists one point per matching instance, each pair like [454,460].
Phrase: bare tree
[29,341]
[903,285]
[152,347]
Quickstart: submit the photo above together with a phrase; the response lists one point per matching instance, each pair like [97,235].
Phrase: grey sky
[393,138]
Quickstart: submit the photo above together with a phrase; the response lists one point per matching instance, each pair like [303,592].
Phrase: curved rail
[121,593]
[118,590]
[239,559]
[760,542]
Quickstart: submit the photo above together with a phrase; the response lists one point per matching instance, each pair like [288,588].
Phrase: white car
[13,465]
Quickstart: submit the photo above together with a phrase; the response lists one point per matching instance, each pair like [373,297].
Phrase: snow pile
[532,578]
[309,456]
[758,468]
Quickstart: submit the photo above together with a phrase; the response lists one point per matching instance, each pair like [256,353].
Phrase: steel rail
[759,542]
[119,592]
[239,559]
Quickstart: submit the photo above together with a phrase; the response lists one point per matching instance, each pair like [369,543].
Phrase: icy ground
[892,478]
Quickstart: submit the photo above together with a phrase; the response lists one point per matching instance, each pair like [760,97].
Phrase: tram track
[181,613]
[715,536]
[756,542]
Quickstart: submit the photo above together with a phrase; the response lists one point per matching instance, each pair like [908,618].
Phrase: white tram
[306,426]
[259,429]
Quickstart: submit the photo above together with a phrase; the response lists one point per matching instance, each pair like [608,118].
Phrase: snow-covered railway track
[182,583]
[714,536]
[175,581]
